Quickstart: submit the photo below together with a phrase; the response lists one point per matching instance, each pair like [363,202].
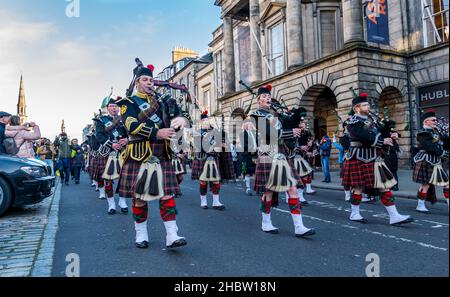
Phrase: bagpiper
[363,166]
[430,160]
[273,174]
[205,166]
[147,172]
[112,137]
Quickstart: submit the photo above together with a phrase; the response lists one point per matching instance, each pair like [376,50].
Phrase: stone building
[314,51]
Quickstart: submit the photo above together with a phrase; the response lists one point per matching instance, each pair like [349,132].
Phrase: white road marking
[426,245]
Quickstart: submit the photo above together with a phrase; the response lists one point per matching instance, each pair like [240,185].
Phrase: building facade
[313,52]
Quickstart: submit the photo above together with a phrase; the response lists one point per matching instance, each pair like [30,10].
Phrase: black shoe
[309,233]
[407,221]
[204,207]
[142,245]
[304,202]
[177,243]
[274,231]
[124,210]
[66,183]
[77,182]
[362,221]
[112,212]
[222,207]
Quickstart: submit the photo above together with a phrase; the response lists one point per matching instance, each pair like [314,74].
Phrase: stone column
[254,40]
[353,22]
[294,32]
[229,67]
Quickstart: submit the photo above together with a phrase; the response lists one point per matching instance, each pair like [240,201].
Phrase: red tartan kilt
[422,173]
[128,178]
[197,168]
[358,174]
[99,167]
[226,166]
[262,174]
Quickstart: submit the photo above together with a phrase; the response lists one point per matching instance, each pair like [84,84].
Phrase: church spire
[21,105]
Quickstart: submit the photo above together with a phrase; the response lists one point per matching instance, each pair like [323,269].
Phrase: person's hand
[117,146]
[123,141]
[304,147]
[309,154]
[178,123]
[165,133]
[394,135]
[297,132]
[388,141]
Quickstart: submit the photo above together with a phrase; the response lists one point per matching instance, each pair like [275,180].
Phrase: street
[231,243]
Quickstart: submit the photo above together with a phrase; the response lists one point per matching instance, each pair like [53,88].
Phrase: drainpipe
[408,75]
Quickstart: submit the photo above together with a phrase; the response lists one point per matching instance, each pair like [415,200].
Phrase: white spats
[101,194]
[111,203]
[203,201]
[300,229]
[172,238]
[309,189]
[348,195]
[395,217]
[356,215]
[301,197]
[141,232]
[286,197]
[421,206]
[266,224]
[248,182]
[216,201]
[123,202]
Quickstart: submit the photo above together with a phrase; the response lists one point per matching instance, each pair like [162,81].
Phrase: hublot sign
[434,95]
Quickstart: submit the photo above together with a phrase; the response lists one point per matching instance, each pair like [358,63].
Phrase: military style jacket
[270,135]
[431,147]
[108,130]
[143,115]
[366,139]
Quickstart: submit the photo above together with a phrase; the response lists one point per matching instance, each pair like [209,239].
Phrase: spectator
[46,153]
[23,138]
[234,154]
[340,148]
[325,152]
[64,155]
[78,160]
[4,120]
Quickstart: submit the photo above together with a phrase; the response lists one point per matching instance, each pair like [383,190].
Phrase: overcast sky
[70,64]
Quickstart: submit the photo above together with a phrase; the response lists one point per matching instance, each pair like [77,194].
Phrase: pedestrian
[24,138]
[325,152]
[147,173]
[430,160]
[273,174]
[46,153]
[363,166]
[62,144]
[77,160]
[4,120]
[235,157]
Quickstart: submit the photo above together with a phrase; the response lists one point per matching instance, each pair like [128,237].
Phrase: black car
[23,182]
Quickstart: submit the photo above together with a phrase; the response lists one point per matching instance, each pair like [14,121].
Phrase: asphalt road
[230,243]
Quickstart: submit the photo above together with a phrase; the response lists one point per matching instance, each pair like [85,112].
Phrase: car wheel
[5,196]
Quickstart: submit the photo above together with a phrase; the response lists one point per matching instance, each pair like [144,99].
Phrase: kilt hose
[358,174]
[128,178]
[262,174]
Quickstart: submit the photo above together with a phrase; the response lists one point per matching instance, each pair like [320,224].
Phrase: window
[218,73]
[277,49]
[207,100]
[435,21]
[328,32]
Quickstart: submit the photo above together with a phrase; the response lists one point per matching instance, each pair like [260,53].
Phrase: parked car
[23,182]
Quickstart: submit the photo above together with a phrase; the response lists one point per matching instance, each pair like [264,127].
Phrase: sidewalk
[407,188]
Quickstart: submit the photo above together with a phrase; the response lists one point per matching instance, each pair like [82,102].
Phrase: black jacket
[2,136]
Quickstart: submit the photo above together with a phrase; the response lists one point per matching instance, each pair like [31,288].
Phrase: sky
[69,64]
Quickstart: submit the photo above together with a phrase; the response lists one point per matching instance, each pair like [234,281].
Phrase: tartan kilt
[262,174]
[99,167]
[356,173]
[297,177]
[422,172]
[226,166]
[129,173]
[197,168]
[90,165]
